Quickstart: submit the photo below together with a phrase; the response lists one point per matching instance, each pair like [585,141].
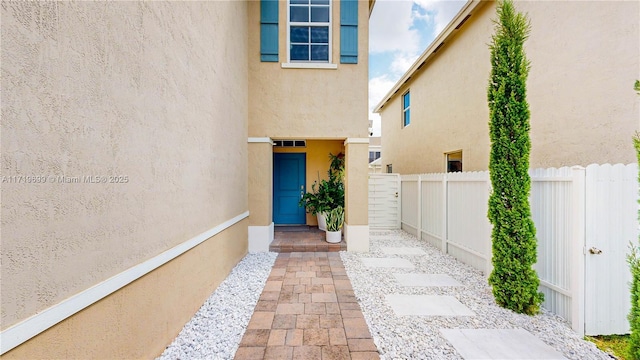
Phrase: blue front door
[288,187]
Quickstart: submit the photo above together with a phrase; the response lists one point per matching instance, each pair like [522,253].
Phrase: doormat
[292,228]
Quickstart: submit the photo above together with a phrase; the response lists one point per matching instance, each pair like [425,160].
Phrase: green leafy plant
[616,345]
[327,194]
[335,219]
[514,281]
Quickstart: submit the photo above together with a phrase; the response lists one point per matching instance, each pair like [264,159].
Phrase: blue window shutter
[349,31]
[269,30]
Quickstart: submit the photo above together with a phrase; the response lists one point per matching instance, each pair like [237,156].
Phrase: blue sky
[399,31]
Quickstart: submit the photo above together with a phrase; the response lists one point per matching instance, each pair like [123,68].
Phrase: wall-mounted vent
[463,21]
[290,143]
[438,48]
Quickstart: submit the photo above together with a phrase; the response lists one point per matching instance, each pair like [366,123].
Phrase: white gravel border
[216,329]
[418,337]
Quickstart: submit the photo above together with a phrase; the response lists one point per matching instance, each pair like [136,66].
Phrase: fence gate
[384,210]
[611,223]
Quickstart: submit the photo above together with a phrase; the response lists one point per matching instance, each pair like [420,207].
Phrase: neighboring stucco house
[375,147]
[138,157]
[585,57]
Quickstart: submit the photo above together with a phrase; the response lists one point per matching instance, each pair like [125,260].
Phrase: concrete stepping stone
[429,305]
[404,250]
[387,263]
[426,280]
[499,344]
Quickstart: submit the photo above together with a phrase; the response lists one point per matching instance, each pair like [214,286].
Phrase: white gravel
[418,337]
[217,328]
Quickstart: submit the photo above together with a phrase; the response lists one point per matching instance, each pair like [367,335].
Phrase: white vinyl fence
[585,219]
[384,210]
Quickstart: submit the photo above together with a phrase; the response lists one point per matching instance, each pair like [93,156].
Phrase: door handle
[594,250]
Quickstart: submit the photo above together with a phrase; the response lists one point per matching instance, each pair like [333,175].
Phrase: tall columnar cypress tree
[515,283]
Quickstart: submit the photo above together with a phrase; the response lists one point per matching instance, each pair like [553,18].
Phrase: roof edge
[372,3]
[451,29]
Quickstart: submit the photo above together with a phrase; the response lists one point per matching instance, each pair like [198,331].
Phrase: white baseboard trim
[34,325]
[357,237]
[260,237]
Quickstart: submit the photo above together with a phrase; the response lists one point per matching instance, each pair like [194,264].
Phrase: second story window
[309,30]
[406,109]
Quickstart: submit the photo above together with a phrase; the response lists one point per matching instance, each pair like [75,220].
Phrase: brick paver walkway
[308,311]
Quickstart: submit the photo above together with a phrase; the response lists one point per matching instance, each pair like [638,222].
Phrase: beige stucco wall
[137,89]
[140,320]
[311,104]
[585,57]
[260,183]
[357,184]
[317,162]
[308,103]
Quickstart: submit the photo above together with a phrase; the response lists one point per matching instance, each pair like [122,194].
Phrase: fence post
[578,206]
[489,250]
[399,197]
[445,244]
[419,219]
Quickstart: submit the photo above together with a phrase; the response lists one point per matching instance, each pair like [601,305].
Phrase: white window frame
[310,64]
[404,110]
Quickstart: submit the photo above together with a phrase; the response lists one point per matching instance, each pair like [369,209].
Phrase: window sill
[309,66]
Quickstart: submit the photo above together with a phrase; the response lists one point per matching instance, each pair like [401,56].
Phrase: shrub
[326,194]
[515,283]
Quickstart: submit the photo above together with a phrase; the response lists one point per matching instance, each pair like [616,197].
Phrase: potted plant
[326,194]
[335,219]
[317,202]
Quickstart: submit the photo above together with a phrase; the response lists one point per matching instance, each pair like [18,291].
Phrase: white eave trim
[34,325]
[260,140]
[356,141]
[439,41]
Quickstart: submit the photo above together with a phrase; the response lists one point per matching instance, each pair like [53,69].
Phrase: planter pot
[334,236]
[322,222]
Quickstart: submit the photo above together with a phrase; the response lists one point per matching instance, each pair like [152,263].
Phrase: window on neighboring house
[374,155]
[406,109]
[454,161]
[389,168]
[309,30]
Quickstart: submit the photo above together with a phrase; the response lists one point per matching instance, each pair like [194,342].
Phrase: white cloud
[378,88]
[441,12]
[401,62]
[390,27]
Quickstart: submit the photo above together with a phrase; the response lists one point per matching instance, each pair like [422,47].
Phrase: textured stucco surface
[585,57]
[155,91]
[313,104]
[308,103]
[260,184]
[357,184]
[140,320]
[317,162]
